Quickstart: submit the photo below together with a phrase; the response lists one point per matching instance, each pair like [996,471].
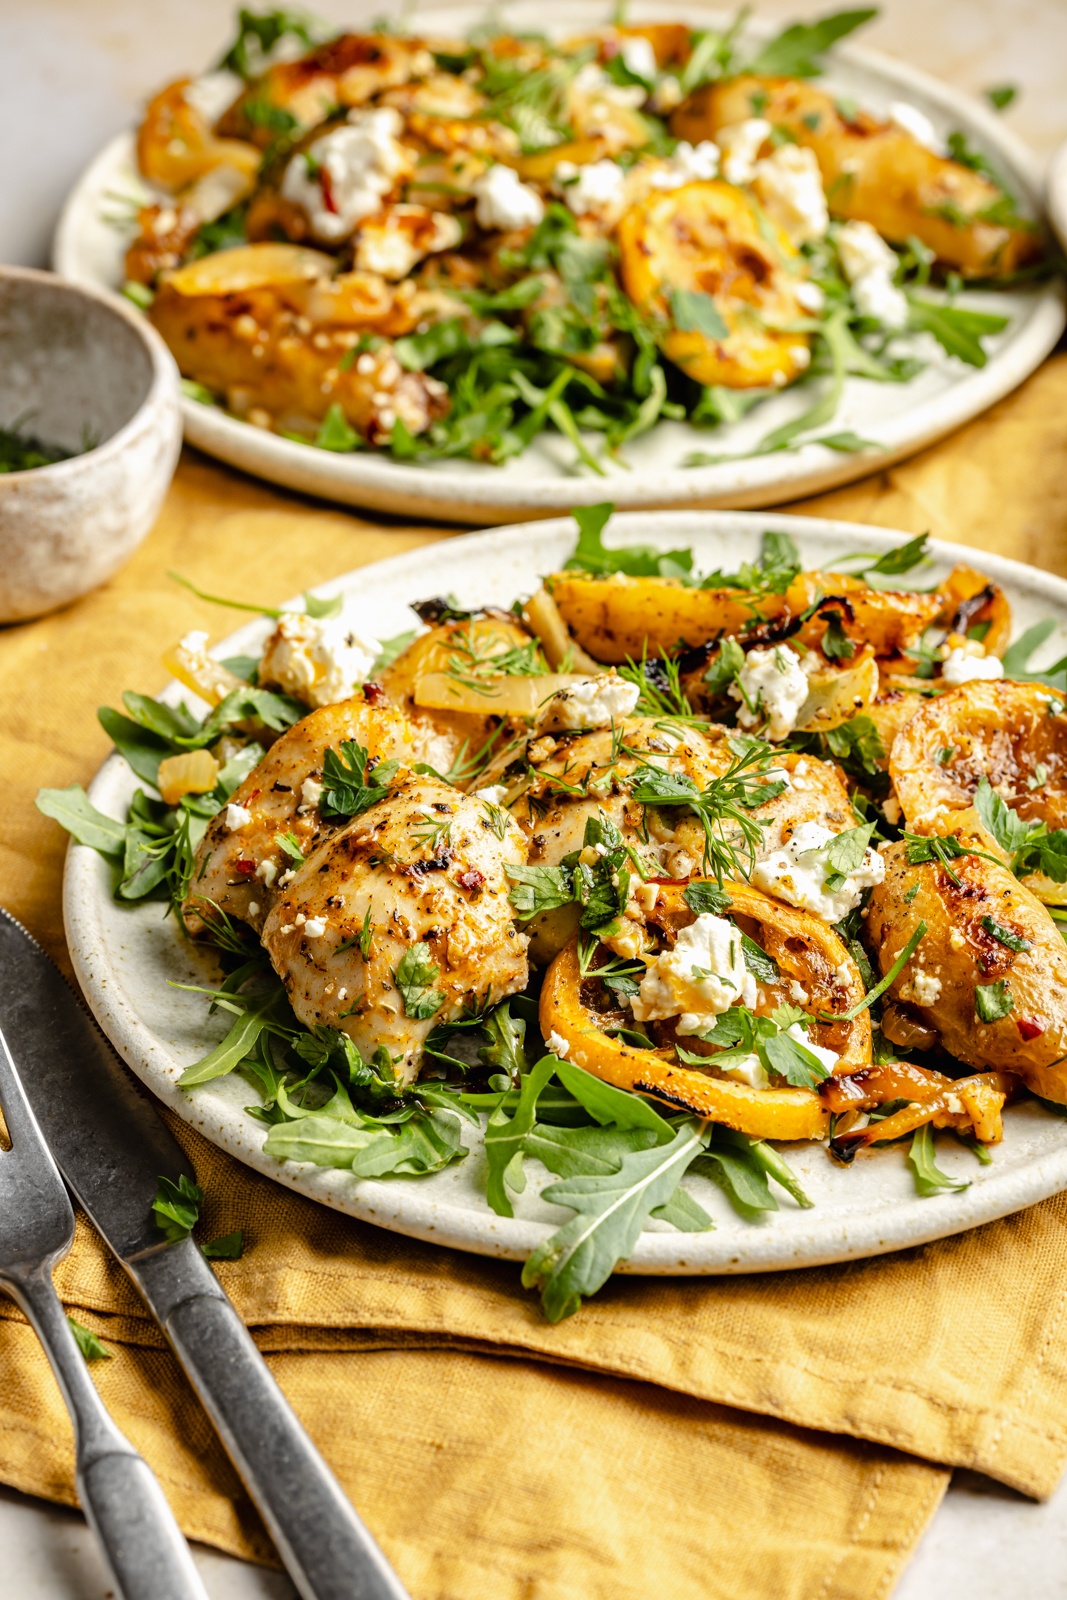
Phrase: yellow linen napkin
[954,1352]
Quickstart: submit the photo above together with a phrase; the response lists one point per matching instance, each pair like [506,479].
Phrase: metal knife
[112,1147]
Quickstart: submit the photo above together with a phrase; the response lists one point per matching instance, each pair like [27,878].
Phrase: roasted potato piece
[621,618]
[712,239]
[970,908]
[807,952]
[175,146]
[1014,734]
[970,599]
[874,172]
[279,344]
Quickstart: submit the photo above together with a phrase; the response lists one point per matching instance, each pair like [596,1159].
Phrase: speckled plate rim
[470,494]
[881,1213]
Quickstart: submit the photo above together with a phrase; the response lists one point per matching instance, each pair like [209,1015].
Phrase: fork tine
[22,1127]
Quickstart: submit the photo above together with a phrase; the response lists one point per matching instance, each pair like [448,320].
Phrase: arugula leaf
[636,560]
[725,667]
[763,967]
[797,51]
[177,1207]
[228,1247]
[693,311]
[75,812]
[257,34]
[539,889]
[607,1105]
[335,433]
[957,329]
[585,1152]
[352,782]
[611,1211]
[505,1139]
[140,748]
[929,1179]
[993,1001]
[258,1010]
[92,1348]
[772,572]
[1006,936]
[836,644]
[414,977]
[505,1037]
[1000,96]
[425,1142]
[742,1181]
[1017,656]
[880,988]
[391,649]
[700,896]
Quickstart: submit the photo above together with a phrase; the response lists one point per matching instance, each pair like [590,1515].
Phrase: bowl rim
[163,383]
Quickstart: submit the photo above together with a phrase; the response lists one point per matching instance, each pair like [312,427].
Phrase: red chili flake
[1028,1029]
[327,190]
[247,869]
[372,693]
[471,878]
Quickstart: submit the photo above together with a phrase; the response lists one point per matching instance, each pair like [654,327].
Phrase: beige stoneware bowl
[77,366]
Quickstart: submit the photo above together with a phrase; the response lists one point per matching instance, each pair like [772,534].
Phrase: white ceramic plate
[900,418]
[126,957]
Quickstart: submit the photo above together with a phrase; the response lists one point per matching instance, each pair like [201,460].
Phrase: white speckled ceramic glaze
[78,365]
[897,418]
[1056,195]
[127,958]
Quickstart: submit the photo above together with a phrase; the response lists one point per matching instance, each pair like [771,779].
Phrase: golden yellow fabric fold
[733,1436]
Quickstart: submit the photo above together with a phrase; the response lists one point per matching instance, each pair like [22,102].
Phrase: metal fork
[148,1557]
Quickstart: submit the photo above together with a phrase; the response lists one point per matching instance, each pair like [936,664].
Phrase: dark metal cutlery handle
[123,1503]
[327,1551]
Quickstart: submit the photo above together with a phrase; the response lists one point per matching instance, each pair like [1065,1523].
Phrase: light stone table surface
[72,74]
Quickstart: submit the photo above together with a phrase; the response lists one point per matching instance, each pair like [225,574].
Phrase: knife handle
[328,1552]
[123,1503]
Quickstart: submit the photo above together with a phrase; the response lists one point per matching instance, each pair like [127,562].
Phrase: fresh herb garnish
[415,977]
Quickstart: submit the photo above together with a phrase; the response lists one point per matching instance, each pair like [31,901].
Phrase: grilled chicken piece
[240,866]
[424,866]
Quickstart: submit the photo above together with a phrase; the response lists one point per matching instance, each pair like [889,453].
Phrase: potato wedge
[875,172]
[711,239]
[960,952]
[620,618]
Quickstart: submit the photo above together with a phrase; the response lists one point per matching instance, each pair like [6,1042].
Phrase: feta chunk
[318,660]
[598,188]
[771,686]
[504,201]
[594,702]
[311,791]
[797,874]
[315,927]
[924,988]
[393,244]
[908,117]
[825,1057]
[237,817]
[639,58]
[869,264]
[789,186]
[689,163]
[745,1069]
[493,794]
[960,666]
[345,176]
[698,979]
[213,93]
[557,1044]
[810,296]
[194,642]
[266,872]
[740,144]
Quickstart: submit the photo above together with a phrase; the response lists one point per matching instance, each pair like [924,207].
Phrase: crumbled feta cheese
[594,702]
[740,144]
[771,686]
[599,187]
[267,871]
[300,919]
[287,877]
[869,265]
[797,874]
[924,988]
[689,163]
[810,296]
[315,927]
[504,201]
[591,83]
[843,974]
[393,244]
[827,1058]
[237,816]
[789,185]
[319,660]
[345,176]
[956,939]
[493,794]
[698,979]
[253,908]
[908,117]
[213,93]
[798,994]
[959,666]
[194,642]
[667,94]
[311,791]
[745,1069]
[639,58]
[557,1044]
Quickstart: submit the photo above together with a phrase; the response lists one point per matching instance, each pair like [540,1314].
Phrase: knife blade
[112,1147]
